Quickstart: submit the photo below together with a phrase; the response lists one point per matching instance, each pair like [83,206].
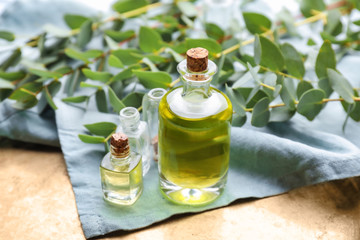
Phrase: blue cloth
[263,162]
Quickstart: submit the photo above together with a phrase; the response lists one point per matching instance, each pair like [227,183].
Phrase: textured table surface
[37,202]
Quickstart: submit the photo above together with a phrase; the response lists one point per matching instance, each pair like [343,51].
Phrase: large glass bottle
[150,106]
[194,134]
[121,172]
[138,134]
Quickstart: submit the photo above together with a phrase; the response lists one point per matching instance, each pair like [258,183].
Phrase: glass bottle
[138,134]
[121,172]
[194,134]
[150,105]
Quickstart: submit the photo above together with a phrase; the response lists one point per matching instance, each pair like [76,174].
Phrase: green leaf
[177,57]
[100,76]
[214,31]
[74,21]
[281,114]
[125,74]
[91,139]
[85,84]
[26,102]
[333,25]
[237,101]
[115,102]
[187,8]
[56,31]
[256,23]
[77,99]
[310,103]
[325,59]
[50,91]
[302,87]
[128,56]
[210,44]
[123,6]
[256,94]
[25,90]
[307,6]
[357,22]
[6,85]
[85,34]
[238,120]
[153,79]
[133,99]
[114,61]
[260,114]
[101,102]
[73,82]
[12,75]
[355,108]
[341,85]
[150,64]
[13,59]
[120,36]
[288,94]
[268,54]
[46,74]
[7,36]
[293,61]
[101,128]
[149,40]
[83,56]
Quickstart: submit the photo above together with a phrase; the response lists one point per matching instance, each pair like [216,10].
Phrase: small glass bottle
[150,105]
[194,134]
[121,172]
[138,134]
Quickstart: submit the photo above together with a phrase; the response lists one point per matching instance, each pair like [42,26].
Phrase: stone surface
[37,202]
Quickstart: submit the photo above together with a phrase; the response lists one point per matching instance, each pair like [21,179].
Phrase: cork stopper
[120,145]
[197,59]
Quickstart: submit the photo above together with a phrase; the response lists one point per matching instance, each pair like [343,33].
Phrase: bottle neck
[119,158]
[129,119]
[196,84]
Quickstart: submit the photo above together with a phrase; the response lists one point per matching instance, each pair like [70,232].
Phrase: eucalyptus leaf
[210,44]
[354,108]
[302,87]
[85,34]
[310,103]
[101,101]
[47,74]
[238,121]
[256,95]
[256,23]
[11,60]
[333,25]
[293,61]
[120,36]
[187,8]
[101,128]
[307,7]
[8,36]
[214,31]
[133,99]
[74,21]
[115,102]
[288,94]
[268,54]
[260,114]
[325,59]
[6,84]
[12,75]
[153,79]
[341,85]
[149,40]
[128,56]
[100,76]
[122,6]
[177,57]
[91,139]
[77,99]
[237,100]
[281,114]
[114,61]
[125,73]
[51,91]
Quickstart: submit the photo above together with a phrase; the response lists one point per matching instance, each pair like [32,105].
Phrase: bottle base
[116,199]
[191,196]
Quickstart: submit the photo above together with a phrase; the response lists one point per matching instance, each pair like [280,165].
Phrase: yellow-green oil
[122,183]
[194,153]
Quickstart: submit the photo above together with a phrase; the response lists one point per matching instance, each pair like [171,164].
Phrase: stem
[280,73]
[171,85]
[267,86]
[141,10]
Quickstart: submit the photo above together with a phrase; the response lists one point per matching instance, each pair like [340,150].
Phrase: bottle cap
[120,144]
[197,59]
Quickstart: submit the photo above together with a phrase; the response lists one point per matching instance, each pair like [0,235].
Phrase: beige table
[37,202]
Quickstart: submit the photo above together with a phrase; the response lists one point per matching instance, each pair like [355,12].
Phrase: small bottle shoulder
[119,166]
[196,107]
